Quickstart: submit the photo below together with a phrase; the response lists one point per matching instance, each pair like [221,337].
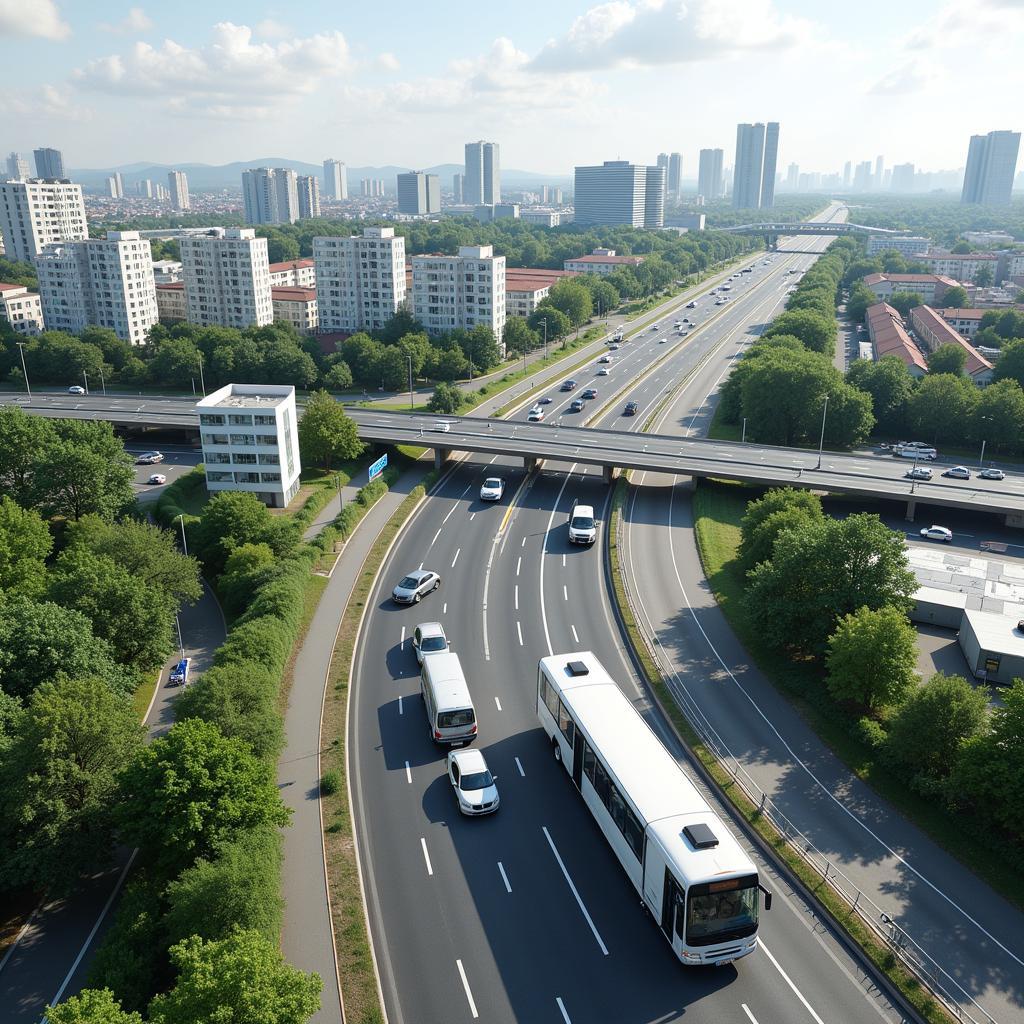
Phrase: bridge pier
[911,508]
[610,474]
[441,456]
[532,463]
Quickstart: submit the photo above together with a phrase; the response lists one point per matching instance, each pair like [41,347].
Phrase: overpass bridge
[773,230]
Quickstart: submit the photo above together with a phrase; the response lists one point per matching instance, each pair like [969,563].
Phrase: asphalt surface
[468,915]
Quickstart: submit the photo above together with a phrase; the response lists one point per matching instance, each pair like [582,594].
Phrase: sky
[555,82]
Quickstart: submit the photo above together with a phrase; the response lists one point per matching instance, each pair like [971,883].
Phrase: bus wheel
[556,750]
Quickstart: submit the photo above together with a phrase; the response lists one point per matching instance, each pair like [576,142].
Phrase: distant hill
[206,177]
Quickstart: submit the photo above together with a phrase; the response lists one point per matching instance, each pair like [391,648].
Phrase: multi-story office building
[757,148]
[17,167]
[847,173]
[458,188]
[250,439]
[145,188]
[227,278]
[335,179]
[879,175]
[177,183]
[307,188]
[296,306]
[482,186]
[271,195]
[49,163]
[616,192]
[38,212]
[419,193]
[902,178]
[675,173]
[862,176]
[103,282]
[709,174]
[113,188]
[991,165]
[460,291]
[793,177]
[360,281]
[22,309]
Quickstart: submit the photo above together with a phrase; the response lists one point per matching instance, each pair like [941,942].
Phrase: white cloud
[981,24]
[271,29]
[231,74]
[913,76]
[387,62]
[38,18]
[651,33]
[49,101]
[136,20]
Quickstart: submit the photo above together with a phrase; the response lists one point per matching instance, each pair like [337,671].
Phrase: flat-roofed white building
[460,291]
[37,212]
[909,245]
[250,439]
[227,278]
[22,309]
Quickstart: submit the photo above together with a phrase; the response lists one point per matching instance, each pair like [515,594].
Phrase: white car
[991,474]
[492,489]
[937,533]
[535,415]
[76,389]
[655,327]
[149,458]
[157,478]
[473,782]
[582,528]
[429,638]
[958,472]
[918,473]
[603,371]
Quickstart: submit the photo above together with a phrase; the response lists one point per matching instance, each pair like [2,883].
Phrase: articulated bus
[691,873]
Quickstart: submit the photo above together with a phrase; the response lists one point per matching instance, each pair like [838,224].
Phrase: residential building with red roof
[293,274]
[602,261]
[931,287]
[932,332]
[890,338]
[296,306]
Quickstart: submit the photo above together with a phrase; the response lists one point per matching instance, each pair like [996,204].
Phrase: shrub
[330,783]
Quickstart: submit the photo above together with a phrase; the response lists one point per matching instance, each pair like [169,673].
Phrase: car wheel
[417,598]
[435,586]
[556,750]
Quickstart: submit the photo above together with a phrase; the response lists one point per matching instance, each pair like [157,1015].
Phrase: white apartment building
[293,274]
[545,218]
[177,182]
[308,191]
[335,179]
[38,212]
[360,281]
[965,267]
[250,439]
[296,306]
[166,271]
[227,278]
[105,282]
[909,245]
[22,309]
[271,195]
[171,304]
[460,291]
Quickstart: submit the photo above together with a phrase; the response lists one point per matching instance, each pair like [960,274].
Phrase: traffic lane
[175,465]
[100,403]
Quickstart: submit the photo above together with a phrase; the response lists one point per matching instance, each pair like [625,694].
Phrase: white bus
[690,872]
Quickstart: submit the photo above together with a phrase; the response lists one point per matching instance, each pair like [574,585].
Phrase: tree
[573,299]
[904,302]
[393,369]
[934,722]
[942,406]
[961,247]
[603,294]
[1010,324]
[955,297]
[999,415]
[243,570]
[398,326]
[362,354]
[518,338]
[756,543]
[447,398]
[447,365]
[175,363]
[558,324]
[890,386]
[91,1006]
[849,420]
[817,332]
[237,980]
[949,358]
[23,438]
[1009,367]
[326,433]
[25,544]
[871,657]
[338,376]
[60,782]
[983,276]
[481,348]
[232,518]
[861,297]
[187,794]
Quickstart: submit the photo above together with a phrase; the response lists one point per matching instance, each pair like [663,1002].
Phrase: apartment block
[460,291]
[49,163]
[17,167]
[757,147]
[227,278]
[991,165]
[22,309]
[335,179]
[177,184]
[307,188]
[909,245]
[250,439]
[171,304]
[932,332]
[963,266]
[38,212]
[710,183]
[106,282]
[482,184]
[964,321]
[271,195]
[931,287]
[545,218]
[293,274]
[360,281]
[296,306]
[889,337]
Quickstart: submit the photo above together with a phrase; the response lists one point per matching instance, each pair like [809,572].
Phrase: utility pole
[821,443]
[412,400]
[24,371]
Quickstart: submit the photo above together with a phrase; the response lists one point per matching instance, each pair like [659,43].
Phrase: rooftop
[280,268]
[996,633]
[987,585]
[632,261]
[890,338]
[291,293]
[247,396]
[924,317]
[877,278]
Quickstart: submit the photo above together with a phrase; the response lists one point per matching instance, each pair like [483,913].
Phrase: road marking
[465,985]
[408,773]
[421,565]
[565,1016]
[451,511]
[523,545]
[519,630]
[426,856]
[436,535]
[498,702]
[746,1010]
[786,978]
[517,596]
[575,635]
[504,877]
[444,608]
[456,558]
[519,563]
[402,643]
[563,553]
[472,516]
[575,891]
[565,592]
[400,711]
[519,765]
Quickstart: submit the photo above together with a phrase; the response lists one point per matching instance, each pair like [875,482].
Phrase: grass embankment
[879,954]
[718,509]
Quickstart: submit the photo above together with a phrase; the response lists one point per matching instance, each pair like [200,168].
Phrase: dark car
[589,393]
[578,405]
[632,408]
[569,385]
[546,400]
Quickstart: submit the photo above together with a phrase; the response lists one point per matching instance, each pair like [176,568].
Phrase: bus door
[577,758]
[673,907]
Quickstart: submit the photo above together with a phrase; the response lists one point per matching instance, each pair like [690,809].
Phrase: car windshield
[455,719]
[433,643]
[476,780]
[493,483]
[721,916]
[582,523]
[409,583]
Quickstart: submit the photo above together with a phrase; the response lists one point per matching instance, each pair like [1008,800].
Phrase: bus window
[565,723]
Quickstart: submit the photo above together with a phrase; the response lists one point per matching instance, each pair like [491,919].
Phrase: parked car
[179,672]
[958,472]
[429,638]
[632,408]
[149,458]
[157,478]
[412,588]
[472,782]
[991,473]
[918,473]
[937,533]
[76,389]
[492,489]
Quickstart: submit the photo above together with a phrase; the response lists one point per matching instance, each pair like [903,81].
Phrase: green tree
[955,297]
[783,394]
[817,332]
[1009,367]
[849,418]
[558,324]
[237,980]
[934,722]
[362,354]
[890,386]
[942,406]
[961,247]
[871,657]
[904,302]
[447,365]
[60,782]
[246,565]
[175,363]
[757,538]
[326,433]
[401,324]
[25,544]
[23,438]
[338,376]
[861,297]
[948,358]
[185,795]
[1010,324]
[984,277]
[999,415]
[518,338]
[481,348]
[447,398]
[573,299]
[393,369]
[91,1006]
[604,295]
[232,518]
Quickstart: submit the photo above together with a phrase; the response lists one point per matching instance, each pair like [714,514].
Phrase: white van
[446,699]
[582,527]
[917,453]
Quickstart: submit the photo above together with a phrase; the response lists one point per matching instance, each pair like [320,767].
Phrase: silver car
[429,638]
[472,782]
[412,588]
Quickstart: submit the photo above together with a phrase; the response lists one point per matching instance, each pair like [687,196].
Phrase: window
[552,702]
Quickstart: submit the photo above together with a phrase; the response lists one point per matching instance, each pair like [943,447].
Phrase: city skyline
[196,91]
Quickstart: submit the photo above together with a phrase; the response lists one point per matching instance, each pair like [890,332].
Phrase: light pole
[24,371]
[743,439]
[821,443]
[412,400]
[202,381]
[103,384]
[337,483]
[544,321]
[913,471]
[86,376]
[181,645]
[184,542]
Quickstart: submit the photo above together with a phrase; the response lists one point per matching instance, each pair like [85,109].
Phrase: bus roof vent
[701,836]
[578,668]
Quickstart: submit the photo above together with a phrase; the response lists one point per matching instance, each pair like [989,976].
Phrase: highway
[466,914]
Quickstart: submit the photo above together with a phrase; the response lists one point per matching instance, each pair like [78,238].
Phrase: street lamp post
[544,322]
[103,384]
[24,370]
[821,443]
[86,376]
[184,541]
[412,400]
[743,439]
[337,483]
[202,381]
[981,460]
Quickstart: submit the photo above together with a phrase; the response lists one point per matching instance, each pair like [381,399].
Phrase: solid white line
[452,510]
[465,985]
[426,856]
[575,635]
[408,773]
[563,559]
[519,630]
[786,978]
[523,545]
[519,765]
[472,516]
[498,702]
[575,892]
[444,608]
[402,641]
[746,1010]
[456,558]
[400,711]
[504,877]
[517,596]
[519,564]
[544,546]
[565,592]
[565,1016]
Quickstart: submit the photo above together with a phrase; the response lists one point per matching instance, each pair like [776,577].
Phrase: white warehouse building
[250,440]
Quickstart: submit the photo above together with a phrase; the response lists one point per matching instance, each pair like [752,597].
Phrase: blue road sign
[378,467]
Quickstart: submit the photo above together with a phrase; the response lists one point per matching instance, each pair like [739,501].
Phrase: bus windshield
[721,916]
